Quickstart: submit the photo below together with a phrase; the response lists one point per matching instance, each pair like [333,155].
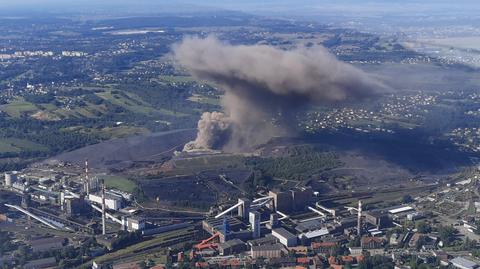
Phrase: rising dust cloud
[264,87]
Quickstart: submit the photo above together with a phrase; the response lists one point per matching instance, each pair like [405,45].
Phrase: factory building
[462,263]
[127,196]
[269,239]
[10,178]
[274,222]
[212,225]
[281,200]
[45,196]
[378,218]
[348,222]
[285,237]
[293,200]
[75,206]
[19,187]
[112,201]
[267,251]
[135,224]
[309,225]
[311,235]
[415,216]
[166,228]
[399,210]
[242,235]
[231,247]
[244,207]
[47,244]
[301,197]
[254,219]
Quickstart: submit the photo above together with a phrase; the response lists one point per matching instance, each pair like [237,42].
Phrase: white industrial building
[135,224]
[10,178]
[19,186]
[462,263]
[254,218]
[315,234]
[402,209]
[285,237]
[113,202]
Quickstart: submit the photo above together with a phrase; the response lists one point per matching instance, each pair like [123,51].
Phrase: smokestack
[103,209]
[87,180]
[359,221]
[62,200]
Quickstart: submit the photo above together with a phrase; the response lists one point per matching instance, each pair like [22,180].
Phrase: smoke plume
[264,86]
[213,129]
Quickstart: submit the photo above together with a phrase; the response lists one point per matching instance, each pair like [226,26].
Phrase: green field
[176,79]
[18,145]
[18,107]
[183,79]
[204,100]
[120,183]
[109,132]
[132,103]
[122,131]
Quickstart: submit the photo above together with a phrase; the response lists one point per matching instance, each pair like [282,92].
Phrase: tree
[423,227]
[143,265]
[447,234]
[407,199]
[376,262]
[354,242]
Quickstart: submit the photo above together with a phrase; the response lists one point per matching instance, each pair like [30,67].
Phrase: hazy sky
[255,5]
[340,12]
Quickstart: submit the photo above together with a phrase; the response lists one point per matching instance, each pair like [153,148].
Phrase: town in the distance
[214,134]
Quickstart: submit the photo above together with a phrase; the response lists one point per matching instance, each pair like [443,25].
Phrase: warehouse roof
[309,225]
[283,233]
[400,210]
[316,233]
[231,243]
[464,263]
[277,246]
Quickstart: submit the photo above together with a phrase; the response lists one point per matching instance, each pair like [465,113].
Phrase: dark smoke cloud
[263,83]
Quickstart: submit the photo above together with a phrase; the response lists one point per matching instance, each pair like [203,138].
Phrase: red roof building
[348,259]
[370,242]
[303,260]
[332,260]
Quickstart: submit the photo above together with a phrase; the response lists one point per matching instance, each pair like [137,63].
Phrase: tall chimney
[359,221]
[87,180]
[103,209]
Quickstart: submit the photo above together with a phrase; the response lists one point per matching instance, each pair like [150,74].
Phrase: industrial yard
[65,205]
